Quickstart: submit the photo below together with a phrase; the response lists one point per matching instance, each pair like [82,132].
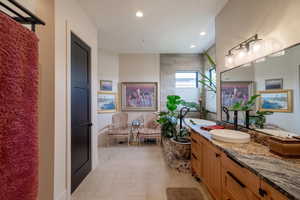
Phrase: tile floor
[132,173]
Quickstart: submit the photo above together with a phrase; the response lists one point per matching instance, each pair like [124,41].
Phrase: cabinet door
[235,188]
[197,157]
[212,170]
[196,165]
[269,193]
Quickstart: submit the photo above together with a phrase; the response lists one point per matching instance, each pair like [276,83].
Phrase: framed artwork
[236,91]
[276,100]
[107,102]
[106,86]
[139,96]
[274,84]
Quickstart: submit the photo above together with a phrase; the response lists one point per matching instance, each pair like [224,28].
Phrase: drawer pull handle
[194,141]
[194,156]
[262,192]
[236,179]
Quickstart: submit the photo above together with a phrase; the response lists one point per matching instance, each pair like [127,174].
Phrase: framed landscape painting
[276,100]
[139,96]
[106,86]
[235,91]
[107,102]
[274,84]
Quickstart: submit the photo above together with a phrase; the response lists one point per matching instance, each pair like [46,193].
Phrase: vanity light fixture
[246,48]
[139,14]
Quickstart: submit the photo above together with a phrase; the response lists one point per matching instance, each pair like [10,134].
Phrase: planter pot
[181,151]
[177,155]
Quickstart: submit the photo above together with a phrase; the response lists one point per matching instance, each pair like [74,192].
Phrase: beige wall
[139,68]
[45,9]
[275,21]
[108,69]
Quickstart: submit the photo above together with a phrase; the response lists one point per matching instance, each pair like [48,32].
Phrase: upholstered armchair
[119,127]
[150,129]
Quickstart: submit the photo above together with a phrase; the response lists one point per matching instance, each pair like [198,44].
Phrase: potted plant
[176,141]
[259,119]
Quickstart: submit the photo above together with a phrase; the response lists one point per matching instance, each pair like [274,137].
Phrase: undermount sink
[231,136]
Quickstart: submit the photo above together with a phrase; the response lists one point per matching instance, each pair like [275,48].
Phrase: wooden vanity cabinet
[225,178]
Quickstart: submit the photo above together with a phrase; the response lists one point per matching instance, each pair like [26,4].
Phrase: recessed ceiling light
[139,14]
[193,46]
[203,33]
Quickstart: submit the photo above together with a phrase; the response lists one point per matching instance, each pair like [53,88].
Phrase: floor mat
[184,194]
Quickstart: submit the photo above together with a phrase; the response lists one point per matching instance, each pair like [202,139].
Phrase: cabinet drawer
[235,189]
[246,178]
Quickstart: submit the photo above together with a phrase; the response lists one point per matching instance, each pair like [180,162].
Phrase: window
[213,75]
[186,79]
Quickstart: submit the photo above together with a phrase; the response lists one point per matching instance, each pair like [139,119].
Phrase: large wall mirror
[276,79]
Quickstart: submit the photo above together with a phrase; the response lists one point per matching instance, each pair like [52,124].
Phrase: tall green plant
[168,119]
[245,106]
[206,81]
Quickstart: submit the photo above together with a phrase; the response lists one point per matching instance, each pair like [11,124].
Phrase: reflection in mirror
[276,79]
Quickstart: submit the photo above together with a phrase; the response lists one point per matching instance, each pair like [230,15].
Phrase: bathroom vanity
[243,171]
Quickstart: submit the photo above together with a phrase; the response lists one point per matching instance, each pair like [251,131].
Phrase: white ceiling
[168,26]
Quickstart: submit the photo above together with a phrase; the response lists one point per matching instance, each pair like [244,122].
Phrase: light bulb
[203,33]
[229,60]
[139,14]
[242,53]
[193,46]
[256,47]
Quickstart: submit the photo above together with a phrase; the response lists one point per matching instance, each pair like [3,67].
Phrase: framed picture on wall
[274,84]
[276,100]
[107,102]
[106,86]
[139,96]
[236,91]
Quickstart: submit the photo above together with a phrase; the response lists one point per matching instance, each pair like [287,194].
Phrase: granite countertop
[282,174]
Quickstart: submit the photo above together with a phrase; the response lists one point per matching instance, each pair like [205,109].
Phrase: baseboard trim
[62,196]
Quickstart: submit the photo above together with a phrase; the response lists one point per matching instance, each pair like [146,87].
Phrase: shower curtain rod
[31,19]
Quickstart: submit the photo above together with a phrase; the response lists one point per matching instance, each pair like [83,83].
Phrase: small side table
[134,133]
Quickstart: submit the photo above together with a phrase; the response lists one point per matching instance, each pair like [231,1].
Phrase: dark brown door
[80,111]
